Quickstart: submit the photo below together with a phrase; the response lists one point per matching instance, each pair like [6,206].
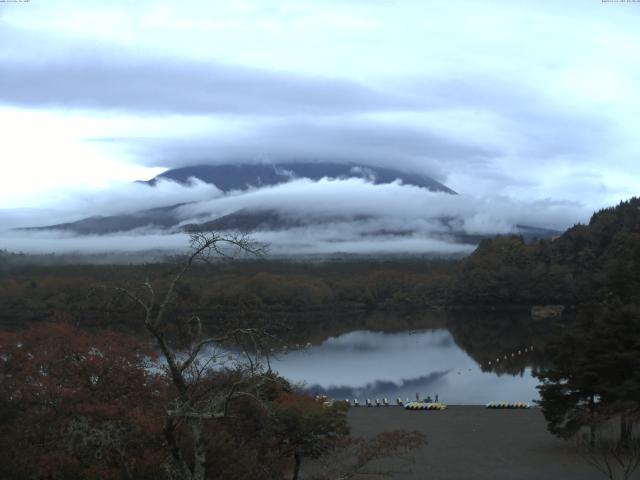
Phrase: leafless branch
[196,401]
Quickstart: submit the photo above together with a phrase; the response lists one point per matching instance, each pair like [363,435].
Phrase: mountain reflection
[366,363]
[379,388]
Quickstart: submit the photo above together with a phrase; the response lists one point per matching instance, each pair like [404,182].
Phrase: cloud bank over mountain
[351,215]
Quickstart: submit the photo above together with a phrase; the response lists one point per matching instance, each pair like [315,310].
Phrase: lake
[464,357]
[367,364]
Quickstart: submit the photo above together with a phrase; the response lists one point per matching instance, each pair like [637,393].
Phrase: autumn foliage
[78,405]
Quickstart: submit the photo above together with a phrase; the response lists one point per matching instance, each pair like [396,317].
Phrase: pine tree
[593,374]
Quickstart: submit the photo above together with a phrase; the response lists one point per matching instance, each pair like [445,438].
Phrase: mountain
[161,218]
[247,221]
[262,218]
[243,176]
[243,220]
[273,220]
[240,177]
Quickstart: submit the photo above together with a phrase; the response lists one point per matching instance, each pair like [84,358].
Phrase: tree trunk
[296,466]
[169,430]
[592,422]
[199,449]
[625,431]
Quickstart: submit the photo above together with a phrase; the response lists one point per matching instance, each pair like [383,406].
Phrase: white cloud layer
[121,198]
[402,203]
[350,216]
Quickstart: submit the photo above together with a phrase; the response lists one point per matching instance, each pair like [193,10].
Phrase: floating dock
[507,405]
[425,406]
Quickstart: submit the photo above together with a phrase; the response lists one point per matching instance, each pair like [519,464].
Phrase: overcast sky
[527,101]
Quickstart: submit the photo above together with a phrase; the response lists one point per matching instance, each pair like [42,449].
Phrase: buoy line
[507,356]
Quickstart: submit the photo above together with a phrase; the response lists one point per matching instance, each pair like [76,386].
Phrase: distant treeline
[587,262]
[27,293]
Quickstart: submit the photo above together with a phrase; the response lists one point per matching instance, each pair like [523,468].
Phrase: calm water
[372,364]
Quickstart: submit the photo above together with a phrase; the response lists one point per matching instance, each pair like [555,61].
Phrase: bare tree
[201,397]
[614,452]
[198,401]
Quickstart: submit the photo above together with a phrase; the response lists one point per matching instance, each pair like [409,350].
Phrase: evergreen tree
[593,375]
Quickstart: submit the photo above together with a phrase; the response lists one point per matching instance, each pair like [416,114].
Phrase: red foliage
[82,405]
[297,401]
[77,404]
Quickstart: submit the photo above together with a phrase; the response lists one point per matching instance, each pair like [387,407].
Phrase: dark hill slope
[243,176]
[154,218]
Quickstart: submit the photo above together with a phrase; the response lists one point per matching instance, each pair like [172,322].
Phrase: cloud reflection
[364,364]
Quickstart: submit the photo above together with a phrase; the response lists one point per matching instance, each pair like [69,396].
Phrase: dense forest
[590,261]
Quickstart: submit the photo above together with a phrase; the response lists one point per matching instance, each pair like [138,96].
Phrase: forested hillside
[587,262]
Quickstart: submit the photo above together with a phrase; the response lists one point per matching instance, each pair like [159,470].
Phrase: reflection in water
[364,363]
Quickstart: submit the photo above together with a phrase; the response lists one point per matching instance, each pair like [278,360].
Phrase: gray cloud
[485,127]
[537,123]
[125,198]
[103,80]
[481,127]
[368,141]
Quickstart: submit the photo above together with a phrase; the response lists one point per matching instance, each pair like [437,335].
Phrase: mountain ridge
[241,176]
